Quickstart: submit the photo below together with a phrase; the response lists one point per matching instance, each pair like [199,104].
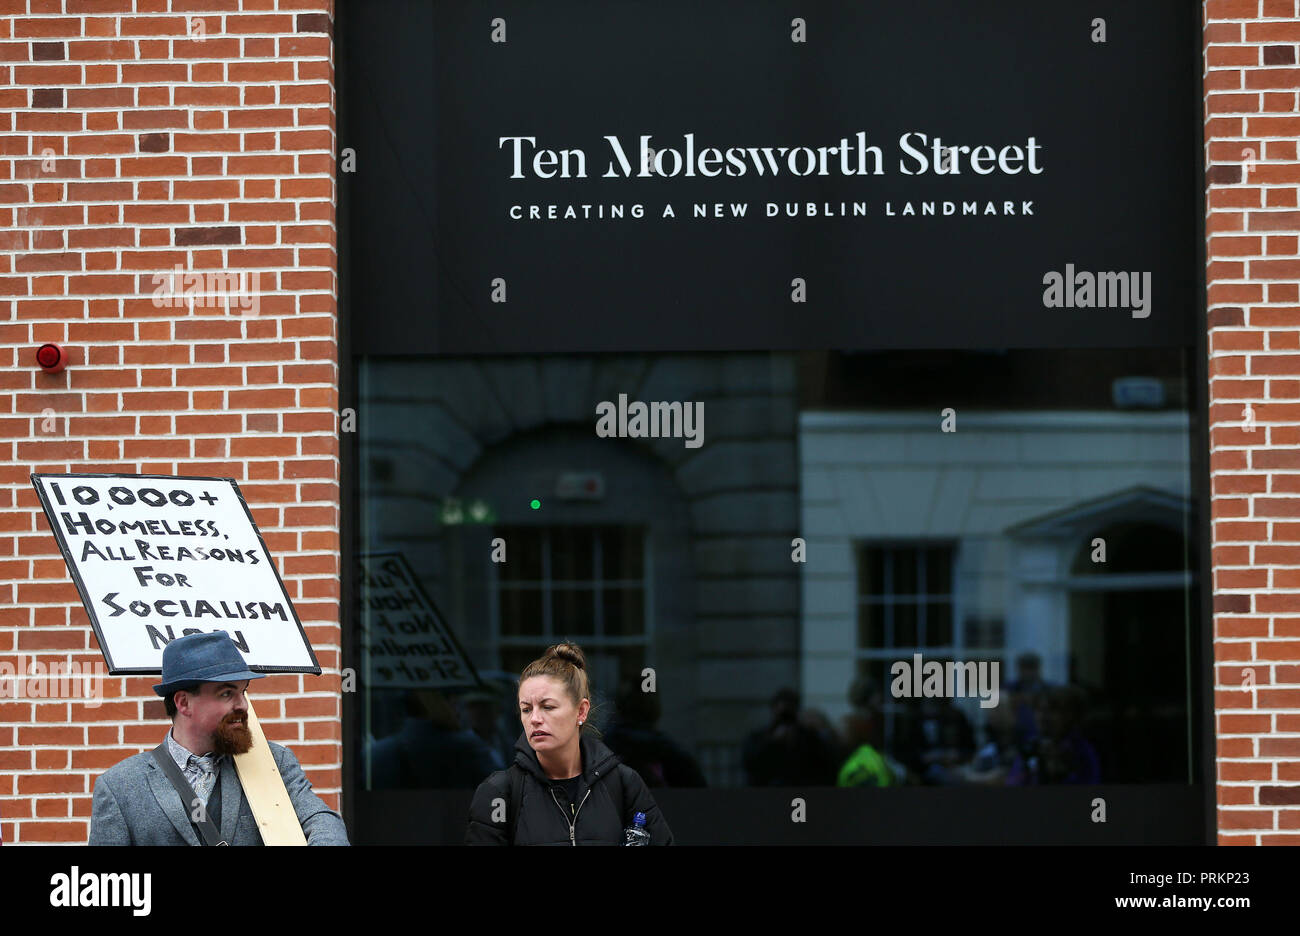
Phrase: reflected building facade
[1018,511]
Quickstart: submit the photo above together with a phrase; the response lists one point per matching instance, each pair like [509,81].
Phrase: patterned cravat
[200,772]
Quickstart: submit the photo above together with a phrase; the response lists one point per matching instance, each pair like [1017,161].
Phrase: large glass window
[847,527]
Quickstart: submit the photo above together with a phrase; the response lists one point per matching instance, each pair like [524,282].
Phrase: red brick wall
[213,149]
[1251,124]
[136,135]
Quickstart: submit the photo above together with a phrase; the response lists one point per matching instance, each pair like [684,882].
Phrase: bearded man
[187,791]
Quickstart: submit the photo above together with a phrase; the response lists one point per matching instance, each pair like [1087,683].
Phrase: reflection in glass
[524,554]
[938,624]
[974,548]
[622,551]
[871,624]
[624,611]
[521,611]
[575,611]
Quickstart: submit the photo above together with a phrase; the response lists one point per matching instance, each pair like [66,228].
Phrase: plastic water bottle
[635,834]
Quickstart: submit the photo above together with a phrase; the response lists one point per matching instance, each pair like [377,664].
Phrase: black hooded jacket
[544,816]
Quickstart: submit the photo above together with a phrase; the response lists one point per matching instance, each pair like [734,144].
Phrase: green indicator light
[536,504]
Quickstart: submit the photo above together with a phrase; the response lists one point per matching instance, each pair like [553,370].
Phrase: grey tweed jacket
[135,804]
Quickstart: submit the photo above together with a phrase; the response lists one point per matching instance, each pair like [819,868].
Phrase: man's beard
[232,735]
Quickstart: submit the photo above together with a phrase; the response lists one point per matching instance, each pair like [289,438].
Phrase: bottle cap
[639,819]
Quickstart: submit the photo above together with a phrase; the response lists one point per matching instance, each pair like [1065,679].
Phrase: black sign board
[746,174]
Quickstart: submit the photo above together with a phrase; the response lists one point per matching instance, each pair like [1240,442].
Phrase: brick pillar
[1252,118]
[142,138]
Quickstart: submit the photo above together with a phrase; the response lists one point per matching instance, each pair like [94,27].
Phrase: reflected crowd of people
[453,740]
[1035,736]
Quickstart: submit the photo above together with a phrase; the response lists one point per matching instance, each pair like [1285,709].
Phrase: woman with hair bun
[565,787]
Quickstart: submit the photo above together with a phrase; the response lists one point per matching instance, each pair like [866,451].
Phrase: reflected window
[905,605]
[585,583]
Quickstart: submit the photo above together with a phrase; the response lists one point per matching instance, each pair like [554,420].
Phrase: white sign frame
[42,483]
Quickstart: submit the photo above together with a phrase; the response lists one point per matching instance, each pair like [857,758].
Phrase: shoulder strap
[515,803]
[210,834]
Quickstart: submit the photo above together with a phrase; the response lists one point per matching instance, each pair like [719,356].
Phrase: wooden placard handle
[265,792]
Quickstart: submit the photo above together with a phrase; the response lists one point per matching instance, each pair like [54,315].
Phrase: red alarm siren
[51,357]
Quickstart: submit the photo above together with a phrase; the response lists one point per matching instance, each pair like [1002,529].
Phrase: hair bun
[570,652]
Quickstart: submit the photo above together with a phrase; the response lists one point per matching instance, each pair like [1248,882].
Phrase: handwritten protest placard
[156,557]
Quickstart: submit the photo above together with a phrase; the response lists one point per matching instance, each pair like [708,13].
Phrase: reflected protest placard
[408,644]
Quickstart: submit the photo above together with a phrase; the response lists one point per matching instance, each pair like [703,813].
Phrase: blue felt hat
[199,658]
